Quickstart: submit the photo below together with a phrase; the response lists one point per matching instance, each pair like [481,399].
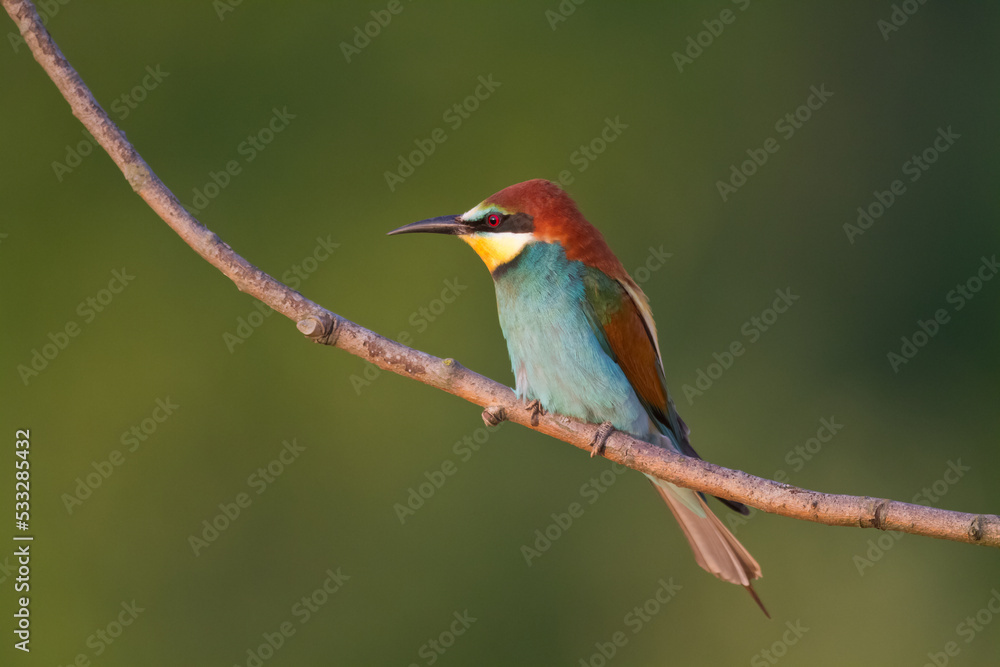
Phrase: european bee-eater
[582,341]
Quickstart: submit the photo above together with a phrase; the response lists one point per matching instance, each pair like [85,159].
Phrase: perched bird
[582,341]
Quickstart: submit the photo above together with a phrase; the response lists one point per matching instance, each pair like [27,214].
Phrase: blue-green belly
[555,354]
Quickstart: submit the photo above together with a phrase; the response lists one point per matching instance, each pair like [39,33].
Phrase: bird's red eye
[493,220]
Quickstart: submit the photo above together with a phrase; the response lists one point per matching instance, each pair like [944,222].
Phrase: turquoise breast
[555,352]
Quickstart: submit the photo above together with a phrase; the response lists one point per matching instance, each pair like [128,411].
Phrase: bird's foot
[601,438]
[536,409]
[494,415]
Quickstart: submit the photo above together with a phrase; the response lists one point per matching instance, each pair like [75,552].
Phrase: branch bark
[325,327]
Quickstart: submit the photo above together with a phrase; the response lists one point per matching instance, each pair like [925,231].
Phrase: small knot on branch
[452,370]
[322,329]
[977,528]
[137,175]
[494,415]
[878,518]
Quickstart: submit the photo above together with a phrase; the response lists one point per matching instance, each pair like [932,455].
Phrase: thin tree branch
[325,327]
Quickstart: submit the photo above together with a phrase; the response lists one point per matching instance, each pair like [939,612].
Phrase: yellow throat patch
[497,249]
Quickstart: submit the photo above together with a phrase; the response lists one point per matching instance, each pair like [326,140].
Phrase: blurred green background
[854,597]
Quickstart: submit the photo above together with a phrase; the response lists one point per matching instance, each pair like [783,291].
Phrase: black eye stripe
[516,223]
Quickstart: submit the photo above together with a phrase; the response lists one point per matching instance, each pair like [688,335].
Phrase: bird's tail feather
[715,548]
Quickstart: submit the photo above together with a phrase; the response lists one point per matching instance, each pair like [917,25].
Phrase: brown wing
[634,349]
[628,340]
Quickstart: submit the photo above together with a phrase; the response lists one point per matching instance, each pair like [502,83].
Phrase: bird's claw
[601,438]
[536,409]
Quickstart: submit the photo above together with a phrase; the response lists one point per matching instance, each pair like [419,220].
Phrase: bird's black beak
[445,224]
